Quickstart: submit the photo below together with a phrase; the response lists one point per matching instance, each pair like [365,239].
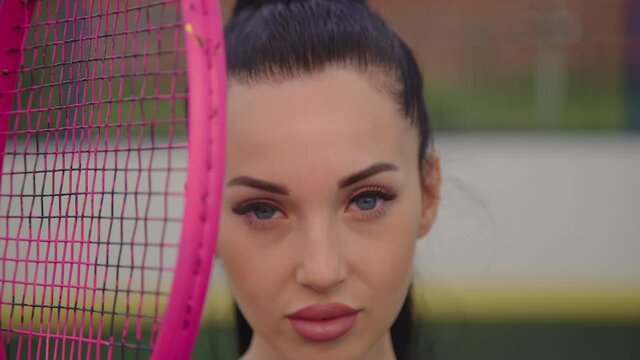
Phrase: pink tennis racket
[107,109]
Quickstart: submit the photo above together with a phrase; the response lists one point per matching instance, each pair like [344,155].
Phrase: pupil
[264,212]
[366,203]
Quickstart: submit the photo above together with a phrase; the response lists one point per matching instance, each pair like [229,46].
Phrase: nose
[323,265]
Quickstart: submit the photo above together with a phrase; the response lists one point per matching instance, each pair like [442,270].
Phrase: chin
[354,347]
[326,352]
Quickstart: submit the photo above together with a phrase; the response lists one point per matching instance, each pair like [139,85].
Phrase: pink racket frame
[206,64]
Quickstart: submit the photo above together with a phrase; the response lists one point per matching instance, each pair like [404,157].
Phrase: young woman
[330,181]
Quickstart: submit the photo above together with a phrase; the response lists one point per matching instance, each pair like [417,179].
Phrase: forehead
[335,121]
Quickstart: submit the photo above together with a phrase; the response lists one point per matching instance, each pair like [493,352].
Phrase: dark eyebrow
[368,172]
[259,184]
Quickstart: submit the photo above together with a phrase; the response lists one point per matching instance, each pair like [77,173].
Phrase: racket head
[177,319]
[206,61]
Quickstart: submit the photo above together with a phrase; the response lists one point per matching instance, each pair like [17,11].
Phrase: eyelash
[247,209]
[380,193]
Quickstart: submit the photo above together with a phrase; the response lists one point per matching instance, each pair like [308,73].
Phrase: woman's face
[323,205]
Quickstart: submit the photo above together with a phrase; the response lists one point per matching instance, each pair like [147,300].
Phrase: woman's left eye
[367,202]
[370,201]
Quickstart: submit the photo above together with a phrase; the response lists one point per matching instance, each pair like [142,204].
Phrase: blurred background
[536,252]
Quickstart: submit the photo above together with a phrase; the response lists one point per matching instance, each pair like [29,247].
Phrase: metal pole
[632,57]
[557,28]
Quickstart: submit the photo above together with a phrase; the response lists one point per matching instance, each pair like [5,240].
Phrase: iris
[367,202]
[264,212]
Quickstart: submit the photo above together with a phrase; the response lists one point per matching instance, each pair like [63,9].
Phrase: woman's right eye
[259,214]
[264,212]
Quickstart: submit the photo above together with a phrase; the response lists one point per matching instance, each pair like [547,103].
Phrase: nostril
[321,275]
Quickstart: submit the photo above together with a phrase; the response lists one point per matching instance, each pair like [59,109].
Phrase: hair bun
[256,4]
[247,4]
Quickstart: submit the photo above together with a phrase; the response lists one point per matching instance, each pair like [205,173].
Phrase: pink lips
[323,322]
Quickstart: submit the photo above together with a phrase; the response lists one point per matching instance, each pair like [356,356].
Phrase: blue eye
[367,202]
[371,201]
[259,214]
[264,212]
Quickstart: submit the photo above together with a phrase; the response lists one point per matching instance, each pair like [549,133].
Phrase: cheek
[246,286]
[238,258]
[386,264]
[256,271]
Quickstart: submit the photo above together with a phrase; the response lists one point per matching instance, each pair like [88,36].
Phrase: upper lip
[322,312]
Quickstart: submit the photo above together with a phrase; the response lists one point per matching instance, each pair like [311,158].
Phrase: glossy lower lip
[324,322]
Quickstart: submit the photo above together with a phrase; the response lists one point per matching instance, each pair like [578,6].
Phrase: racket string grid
[92,179]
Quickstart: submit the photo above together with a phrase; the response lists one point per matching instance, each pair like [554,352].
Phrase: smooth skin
[324,202]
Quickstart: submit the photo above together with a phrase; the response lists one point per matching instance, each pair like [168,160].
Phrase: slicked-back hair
[285,39]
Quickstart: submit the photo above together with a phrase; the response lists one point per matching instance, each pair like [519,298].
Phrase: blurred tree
[633,64]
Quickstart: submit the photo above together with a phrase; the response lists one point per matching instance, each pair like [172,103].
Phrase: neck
[260,350]
[381,350]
